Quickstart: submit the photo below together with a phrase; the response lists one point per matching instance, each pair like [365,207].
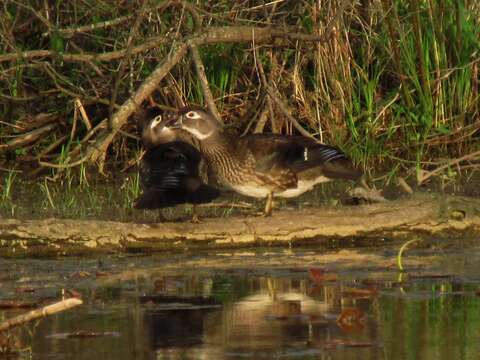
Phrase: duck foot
[195,219]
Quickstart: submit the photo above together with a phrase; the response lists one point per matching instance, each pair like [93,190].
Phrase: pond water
[267,304]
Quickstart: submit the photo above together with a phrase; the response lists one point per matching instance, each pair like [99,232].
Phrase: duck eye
[156,121]
[192,115]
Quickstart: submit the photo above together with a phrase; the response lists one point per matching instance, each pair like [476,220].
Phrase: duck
[264,165]
[172,171]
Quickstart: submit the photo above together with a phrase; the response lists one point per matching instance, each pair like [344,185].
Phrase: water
[270,304]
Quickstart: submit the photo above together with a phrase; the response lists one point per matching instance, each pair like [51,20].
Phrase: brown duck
[264,165]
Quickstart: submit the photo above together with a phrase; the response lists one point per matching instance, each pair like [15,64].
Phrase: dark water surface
[271,304]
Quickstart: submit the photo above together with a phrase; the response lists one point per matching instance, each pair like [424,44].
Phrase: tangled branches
[170,48]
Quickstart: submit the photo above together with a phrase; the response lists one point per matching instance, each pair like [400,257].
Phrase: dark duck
[171,170]
[264,165]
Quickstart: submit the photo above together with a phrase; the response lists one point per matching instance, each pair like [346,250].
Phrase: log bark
[419,216]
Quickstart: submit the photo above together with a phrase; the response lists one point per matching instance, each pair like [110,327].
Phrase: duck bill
[175,123]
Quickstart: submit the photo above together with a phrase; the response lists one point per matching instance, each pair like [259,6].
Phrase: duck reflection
[176,328]
[176,312]
[278,314]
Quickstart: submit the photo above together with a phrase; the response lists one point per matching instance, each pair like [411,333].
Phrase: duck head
[155,128]
[201,124]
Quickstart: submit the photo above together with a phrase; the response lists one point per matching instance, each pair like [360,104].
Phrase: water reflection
[304,313]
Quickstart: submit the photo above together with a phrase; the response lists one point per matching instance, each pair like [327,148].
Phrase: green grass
[8,202]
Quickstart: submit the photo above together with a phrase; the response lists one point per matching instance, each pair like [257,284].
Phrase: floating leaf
[319,276]
[351,319]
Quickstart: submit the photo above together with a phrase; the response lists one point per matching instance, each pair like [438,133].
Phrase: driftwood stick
[39,313]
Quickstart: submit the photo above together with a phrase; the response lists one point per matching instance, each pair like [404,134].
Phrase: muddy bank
[419,216]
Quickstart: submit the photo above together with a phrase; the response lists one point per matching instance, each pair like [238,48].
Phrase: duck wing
[298,154]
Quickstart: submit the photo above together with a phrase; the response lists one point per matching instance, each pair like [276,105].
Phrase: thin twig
[101,124]
[259,66]
[424,175]
[48,69]
[64,166]
[284,109]
[51,147]
[83,113]
[68,32]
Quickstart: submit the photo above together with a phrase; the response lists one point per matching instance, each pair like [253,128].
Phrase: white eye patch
[193,115]
[156,120]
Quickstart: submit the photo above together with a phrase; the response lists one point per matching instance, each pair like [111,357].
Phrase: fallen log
[432,216]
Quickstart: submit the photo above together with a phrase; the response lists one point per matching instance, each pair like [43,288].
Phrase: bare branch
[197,60]
[151,43]
[211,36]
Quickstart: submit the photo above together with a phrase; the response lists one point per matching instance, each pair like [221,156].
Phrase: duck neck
[216,143]
[220,153]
